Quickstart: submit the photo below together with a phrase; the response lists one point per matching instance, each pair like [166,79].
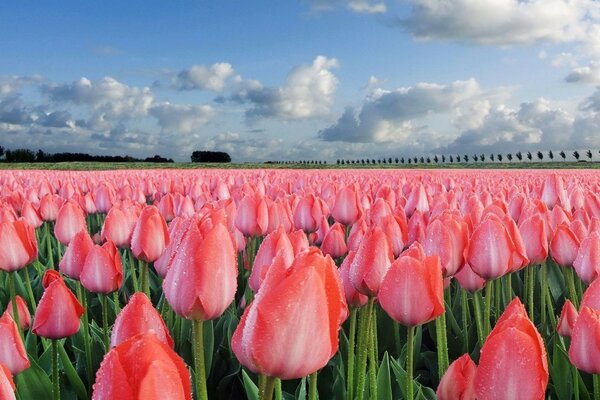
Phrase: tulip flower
[24,316]
[275,330]
[446,236]
[7,385]
[12,350]
[309,212]
[102,271]
[513,362]
[346,209]
[274,243]
[372,260]
[533,232]
[150,235]
[334,243]
[69,221]
[353,297]
[74,258]
[568,316]
[457,382]
[138,317]
[584,352]
[142,367]
[564,246]
[252,216]
[19,245]
[201,282]
[49,206]
[119,224]
[587,260]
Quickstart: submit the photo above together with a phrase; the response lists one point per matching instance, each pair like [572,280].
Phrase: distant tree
[2,150]
[499,157]
[415,159]
[550,155]
[343,162]
[384,161]
[482,157]
[576,155]
[458,158]
[40,156]
[390,160]
[509,156]
[337,161]
[210,156]
[159,159]
[428,160]
[540,155]
[492,156]
[373,161]
[443,158]
[20,156]
[519,155]
[409,161]
[401,160]
[562,154]
[451,159]
[475,157]
[421,160]
[466,158]
[529,156]
[589,154]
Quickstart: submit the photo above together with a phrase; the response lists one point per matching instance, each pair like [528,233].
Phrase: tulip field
[300,284]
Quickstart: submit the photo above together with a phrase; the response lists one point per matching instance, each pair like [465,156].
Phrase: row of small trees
[458,158]
[28,156]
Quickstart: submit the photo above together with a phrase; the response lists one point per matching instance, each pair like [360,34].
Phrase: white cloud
[183,118]
[365,7]
[587,74]
[202,77]
[386,116]
[501,22]
[307,92]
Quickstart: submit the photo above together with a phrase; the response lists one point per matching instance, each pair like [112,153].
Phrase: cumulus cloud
[307,92]
[500,22]
[9,84]
[357,6]
[184,118]
[109,98]
[386,116]
[201,77]
[587,74]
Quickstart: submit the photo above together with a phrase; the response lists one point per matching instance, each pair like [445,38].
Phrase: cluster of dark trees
[210,157]
[458,158]
[28,156]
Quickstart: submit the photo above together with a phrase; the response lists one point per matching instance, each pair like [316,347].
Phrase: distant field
[88,166]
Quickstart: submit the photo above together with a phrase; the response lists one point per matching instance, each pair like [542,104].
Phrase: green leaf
[209,343]
[301,390]
[384,382]
[33,383]
[249,386]
[71,374]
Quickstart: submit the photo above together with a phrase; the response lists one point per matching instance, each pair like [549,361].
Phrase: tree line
[28,156]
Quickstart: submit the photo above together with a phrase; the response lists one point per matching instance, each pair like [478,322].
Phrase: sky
[300,79]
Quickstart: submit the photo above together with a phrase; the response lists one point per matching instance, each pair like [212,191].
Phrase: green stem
[201,393]
[363,344]
[442,344]
[49,255]
[103,299]
[312,386]
[550,309]
[596,380]
[489,290]
[117,304]
[278,391]
[13,300]
[29,289]
[372,355]
[543,294]
[55,381]
[571,286]
[478,318]
[136,286]
[530,295]
[351,345]
[497,298]
[409,362]
[81,296]
[465,322]
[145,277]
[575,377]
[267,393]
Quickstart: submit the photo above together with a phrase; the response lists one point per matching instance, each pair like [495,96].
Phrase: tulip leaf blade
[33,383]
[249,386]
[384,382]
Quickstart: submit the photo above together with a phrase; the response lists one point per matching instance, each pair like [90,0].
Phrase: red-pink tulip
[564,246]
[446,237]
[58,312]
[568,316]
[535,238]
[202,279]
[7,385]
[584,351]
[252,216]
[412,291]
[49,206]
[22,311]
[72,262]
[353,297]
[19,245]
[372,261]
[334,242]
[275,329]
[31,215]
[274,243]
[150,235]
[142,367]
[137,317]
[346,209]
[309,212]
[69,221]
[457,382]
[119,224]
[12,349]
[587,261]
[469,280]
[513,363]
[102,270]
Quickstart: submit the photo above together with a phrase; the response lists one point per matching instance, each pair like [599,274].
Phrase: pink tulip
[102,271]
[371,263]
[150,235]
[457,382]
[72,262]
[584,351]
[12,350]
[69,221]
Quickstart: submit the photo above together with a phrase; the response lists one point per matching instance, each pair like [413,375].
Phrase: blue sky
[294,80]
